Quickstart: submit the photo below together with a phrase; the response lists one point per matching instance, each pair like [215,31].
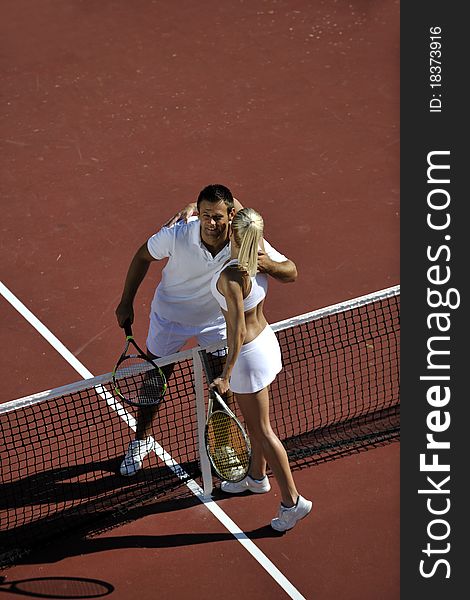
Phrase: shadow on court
[79,546]
[57,587]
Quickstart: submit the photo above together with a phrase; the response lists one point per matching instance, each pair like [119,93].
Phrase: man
[183,306]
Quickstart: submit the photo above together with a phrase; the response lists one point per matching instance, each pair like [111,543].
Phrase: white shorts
[167,337]
[258,363]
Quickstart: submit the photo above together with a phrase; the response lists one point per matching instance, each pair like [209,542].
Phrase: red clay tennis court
[114,117]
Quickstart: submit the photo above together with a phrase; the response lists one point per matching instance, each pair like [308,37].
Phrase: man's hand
[187,212]
[124,312]
[265,264]
[285,271]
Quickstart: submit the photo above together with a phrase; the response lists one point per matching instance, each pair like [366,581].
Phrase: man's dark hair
[216,193]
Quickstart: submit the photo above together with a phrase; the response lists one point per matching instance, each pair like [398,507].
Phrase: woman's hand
[222,385]
[183,215]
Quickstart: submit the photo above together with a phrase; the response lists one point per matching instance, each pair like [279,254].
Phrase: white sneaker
[137,451]
[288,517]
[246,484]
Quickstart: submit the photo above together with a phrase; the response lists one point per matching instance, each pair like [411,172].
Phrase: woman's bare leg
[266,446]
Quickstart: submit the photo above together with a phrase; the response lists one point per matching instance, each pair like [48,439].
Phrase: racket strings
[139,386]
[228,447]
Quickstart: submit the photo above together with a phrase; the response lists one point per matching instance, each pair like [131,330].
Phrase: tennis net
[60,450]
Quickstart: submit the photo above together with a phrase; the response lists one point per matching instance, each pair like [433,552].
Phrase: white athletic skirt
[258,363]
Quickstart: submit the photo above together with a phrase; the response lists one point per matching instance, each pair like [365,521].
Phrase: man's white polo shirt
[184,294]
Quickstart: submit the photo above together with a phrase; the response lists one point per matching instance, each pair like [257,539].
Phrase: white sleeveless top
[259,288]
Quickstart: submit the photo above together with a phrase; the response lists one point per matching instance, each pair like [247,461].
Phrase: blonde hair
[247,227]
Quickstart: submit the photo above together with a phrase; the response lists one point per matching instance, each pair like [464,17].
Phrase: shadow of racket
[57,587]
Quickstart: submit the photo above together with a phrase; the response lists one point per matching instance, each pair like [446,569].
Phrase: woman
[253,361]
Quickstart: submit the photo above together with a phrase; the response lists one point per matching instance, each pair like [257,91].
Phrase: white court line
[212,506]
[45,332]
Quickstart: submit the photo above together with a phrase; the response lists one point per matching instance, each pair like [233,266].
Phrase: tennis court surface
[338,395]
[114,119]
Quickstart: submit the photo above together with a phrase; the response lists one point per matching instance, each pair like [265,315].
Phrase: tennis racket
[227,444]
[137,379]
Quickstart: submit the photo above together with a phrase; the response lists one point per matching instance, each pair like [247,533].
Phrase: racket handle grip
[128,328]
